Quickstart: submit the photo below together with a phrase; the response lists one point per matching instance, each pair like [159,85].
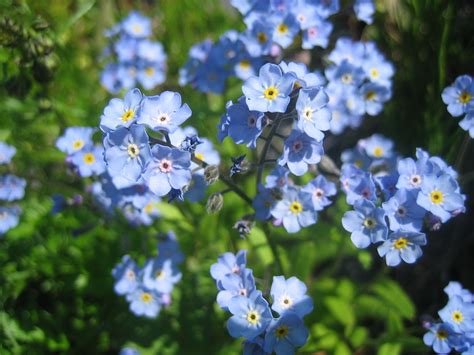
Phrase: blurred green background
[56,289]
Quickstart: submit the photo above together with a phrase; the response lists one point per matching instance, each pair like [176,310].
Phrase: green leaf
[390,349]
[259,243]
[391,293]
[341,310]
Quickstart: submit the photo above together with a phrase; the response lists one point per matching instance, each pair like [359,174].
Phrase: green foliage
[56,293]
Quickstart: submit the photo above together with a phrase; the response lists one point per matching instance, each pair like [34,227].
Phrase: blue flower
[164,112]
[467,123]
[228,263]
[74,139]
[89,161]
[289,296]
[403,212]
[295,210]
[374,96]
[145,302]
[263,203]
[357,184]
[441,337]
[327,8]
[300,150]
[377,68]
[320,188]
[402,245]
[377,146]
[285,29]
[127,153]
[169,169]
[364,10]
[347,50]
[126,276]
[459,314]
[366,224]
[459,96]
[313,115]
[129,351]
[455,289]
[9,218]
[251,316]
[269,92]
[235,285]
[284,334]
[440,195]
[151,75]
[304,78]
[254,347]
[121,113]
[244,126]
[169,249]
[258,39]
[136,25]
[317,34]
[412,172]
[12,187]
[278,178]
[160,274]
[345,73]
[196,189]
[6,153]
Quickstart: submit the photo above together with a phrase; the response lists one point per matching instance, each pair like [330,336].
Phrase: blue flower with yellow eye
[250,316]
[460,96]
[285,29]
[295,210]
[235,285]
[258,39]
[440,195]
[459,314]
[127,153]
[284,334]
[441,337]
[300,150]
[121,113]
[374,96]
[6,153]
[164,112]
[74,139]
[168,169]
[290,296]
[320,189]
[12,187]
[136,25]
[269,92]
[144,302]
[89,161]
[160,274]
[402,246]
[366,224]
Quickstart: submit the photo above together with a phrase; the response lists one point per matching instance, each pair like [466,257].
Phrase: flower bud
[215,202]
[211,174]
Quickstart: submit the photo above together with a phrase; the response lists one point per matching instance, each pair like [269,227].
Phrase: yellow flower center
[262,37]
[199,156]
[245,64]
[308,113]
[146,297]
[400,243]
[436,197]
[358,163]
[286,302]
[270,93]
[465,97]
[369,223]
[159,275]
[374,73]
[128,115]
[89,158]
[370,96]
[457,316]
[253,317]
[281,331]
[282,28]
[296,207]
[78,144]
[133,150]
[441,334]
[149,71]
[378,152]
[148,208]
[346,78]
[137,29]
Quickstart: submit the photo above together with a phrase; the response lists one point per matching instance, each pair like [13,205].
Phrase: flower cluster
[288,97]
[83,156]
[135,58]
[365,10]
[252,317]
[393,198]
[460,100]
[359,82]
[455,330]
[149,288]
[12,188]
